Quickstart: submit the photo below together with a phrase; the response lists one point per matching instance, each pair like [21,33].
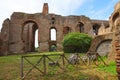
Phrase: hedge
[76,42]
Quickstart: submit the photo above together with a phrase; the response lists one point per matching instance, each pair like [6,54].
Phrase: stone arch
[54,34]
[28,35]
[80,27]
[54,40]
[100,39]
[96,28]
[53,20]
[52,46]
[115,16]
[66,30]
[103,48]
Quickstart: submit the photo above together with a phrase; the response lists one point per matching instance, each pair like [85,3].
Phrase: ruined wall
[104,48]
[4,37]
[101,26]
[115,23]
[44,24]
[20,30]
[101,43]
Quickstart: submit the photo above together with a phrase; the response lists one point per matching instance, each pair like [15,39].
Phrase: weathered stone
[18,33]
[74,59]
[5,38]
[115,23]
[90,57]
[45,9]
[102,44]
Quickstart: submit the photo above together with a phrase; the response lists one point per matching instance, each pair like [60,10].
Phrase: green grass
[10,69]
[110,68]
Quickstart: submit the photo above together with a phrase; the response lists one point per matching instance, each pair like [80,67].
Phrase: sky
[94,9]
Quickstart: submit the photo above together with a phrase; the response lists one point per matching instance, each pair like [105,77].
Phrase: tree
[76,42]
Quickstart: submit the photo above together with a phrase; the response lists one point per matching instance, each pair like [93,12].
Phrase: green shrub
[76,42]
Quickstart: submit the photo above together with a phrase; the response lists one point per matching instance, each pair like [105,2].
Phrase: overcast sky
[95,9]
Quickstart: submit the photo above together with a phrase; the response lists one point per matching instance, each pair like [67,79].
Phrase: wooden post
[88,59]
[63,61]
[21,65]
[44,64]
[66,58]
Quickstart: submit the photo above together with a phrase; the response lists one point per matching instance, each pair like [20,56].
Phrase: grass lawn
[10,69]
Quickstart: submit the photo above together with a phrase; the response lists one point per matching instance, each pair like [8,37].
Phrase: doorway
[30,36]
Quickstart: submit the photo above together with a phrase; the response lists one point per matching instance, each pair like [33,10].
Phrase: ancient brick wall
[4,38]
[22,26]
[102,44]
[115,23]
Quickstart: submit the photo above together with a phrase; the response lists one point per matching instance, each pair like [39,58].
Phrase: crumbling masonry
[18,33]
[115,23]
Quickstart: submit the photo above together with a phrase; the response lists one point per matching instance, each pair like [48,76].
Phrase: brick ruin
[115,23]
[18,33]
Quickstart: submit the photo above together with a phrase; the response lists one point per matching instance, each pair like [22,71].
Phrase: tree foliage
[76,42]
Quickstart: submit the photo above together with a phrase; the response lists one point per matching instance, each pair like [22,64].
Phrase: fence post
[63,61]
[44,63]
[88,59]
[21,65]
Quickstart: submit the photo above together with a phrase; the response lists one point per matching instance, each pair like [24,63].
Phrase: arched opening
[28,36]
[66,30]
[53,20]
[104,47]
[116,15]
[53,39]
[53,48]
[53,34]
[96,28]
[36,41]
[80,27]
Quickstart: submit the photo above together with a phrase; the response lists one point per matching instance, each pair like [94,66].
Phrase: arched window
[53,20]
[28,36]
[53,48]
[116,15]
[53,34]
[66,30]
[96,28]
[36,38]
[80,27]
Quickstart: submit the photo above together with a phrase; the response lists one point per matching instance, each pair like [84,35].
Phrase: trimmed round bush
[76,42]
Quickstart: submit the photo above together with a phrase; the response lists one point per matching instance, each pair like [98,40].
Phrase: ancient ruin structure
[115,23]
[18,33]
